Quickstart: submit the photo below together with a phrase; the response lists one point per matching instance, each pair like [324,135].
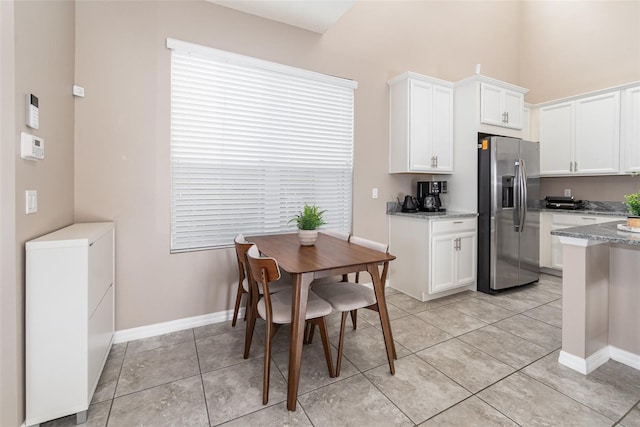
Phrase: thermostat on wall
[31,147]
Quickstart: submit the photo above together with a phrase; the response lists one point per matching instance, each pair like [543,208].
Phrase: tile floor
[468,359]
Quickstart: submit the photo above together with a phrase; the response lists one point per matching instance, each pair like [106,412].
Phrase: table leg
[301,284]
[378,287]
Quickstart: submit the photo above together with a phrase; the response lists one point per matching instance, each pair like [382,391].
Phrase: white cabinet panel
[581,137]
[597,134]
[630,145]
[69,318]
[557,127]
[420,125]
[434,258]
[501,107]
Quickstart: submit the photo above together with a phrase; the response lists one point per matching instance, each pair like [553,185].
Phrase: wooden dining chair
[348,297]
[275,309]
[243,284]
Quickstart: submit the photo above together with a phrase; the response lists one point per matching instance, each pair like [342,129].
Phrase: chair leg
[324,334]
[340,343]
[250,325]
[312,329]
[354,318]
[267,363]
[237,306]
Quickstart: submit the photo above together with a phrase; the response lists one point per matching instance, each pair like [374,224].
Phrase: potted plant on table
[633,203]
[308,221]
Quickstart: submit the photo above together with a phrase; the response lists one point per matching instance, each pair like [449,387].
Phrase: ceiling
[312,15]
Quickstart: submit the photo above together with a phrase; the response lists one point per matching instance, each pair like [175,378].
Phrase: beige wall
[121,128]
[601,188]
[572,47]
[44,58]
[10,374]
[569,48]
[122,145]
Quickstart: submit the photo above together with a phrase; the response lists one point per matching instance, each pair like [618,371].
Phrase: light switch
[32,201]
[374,193]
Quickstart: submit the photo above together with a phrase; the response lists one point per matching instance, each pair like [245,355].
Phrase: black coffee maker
[429,195]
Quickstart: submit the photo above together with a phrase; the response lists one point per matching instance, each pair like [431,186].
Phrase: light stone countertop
[605,232]
[435,215]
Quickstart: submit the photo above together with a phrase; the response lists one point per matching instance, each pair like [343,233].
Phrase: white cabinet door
[420,125]
[557,124]
[420,139]
[442,263]
[597,134]
[442,142]
[513,103]
[466,258]
[453,261]
[630,153]
[491,111]
[500,106]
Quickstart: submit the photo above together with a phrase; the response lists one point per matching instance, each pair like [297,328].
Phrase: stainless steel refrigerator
[509,217]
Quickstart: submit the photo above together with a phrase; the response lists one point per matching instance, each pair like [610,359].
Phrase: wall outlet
[567,192]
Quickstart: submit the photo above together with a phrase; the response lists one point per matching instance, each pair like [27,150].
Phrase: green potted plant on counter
[633,204]
[308,221]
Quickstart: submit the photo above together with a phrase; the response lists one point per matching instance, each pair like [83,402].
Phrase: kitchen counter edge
[434,215]
[605,232]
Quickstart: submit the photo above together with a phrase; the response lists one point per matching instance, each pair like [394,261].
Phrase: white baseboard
[584,366]
[625,357]
[599,358]
[125,335]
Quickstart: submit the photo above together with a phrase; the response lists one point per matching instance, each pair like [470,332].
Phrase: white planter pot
[307,237]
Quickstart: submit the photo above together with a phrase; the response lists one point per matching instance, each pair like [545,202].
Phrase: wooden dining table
[329,256]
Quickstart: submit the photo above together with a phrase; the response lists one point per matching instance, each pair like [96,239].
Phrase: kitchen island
[600,296]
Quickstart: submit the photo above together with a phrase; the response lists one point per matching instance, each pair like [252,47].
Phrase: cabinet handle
[507,113]
[433,161]
[575,166]
[459,243]
[570,166]
[458,222]
[436,159]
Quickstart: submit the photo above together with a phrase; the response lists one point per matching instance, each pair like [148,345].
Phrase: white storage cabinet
[581,137]
[501,106]
[69,318]
[420,124]
[453,254]
[434,257]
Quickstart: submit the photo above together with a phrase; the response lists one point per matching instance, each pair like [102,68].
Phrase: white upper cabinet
[420,125]
[501,106]
[557,134]
[581,137]
[630,146]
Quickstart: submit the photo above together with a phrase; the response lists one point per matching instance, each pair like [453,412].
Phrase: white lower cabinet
[69,317]
[434,257]
[550,246]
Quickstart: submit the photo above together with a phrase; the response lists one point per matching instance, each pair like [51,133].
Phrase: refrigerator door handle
[517,197]
[523,193]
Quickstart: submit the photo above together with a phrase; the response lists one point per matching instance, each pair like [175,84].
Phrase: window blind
[251,143]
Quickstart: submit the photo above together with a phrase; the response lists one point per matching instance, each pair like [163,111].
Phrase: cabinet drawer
[100,335]
[100,269]
[453,225]
[563,221]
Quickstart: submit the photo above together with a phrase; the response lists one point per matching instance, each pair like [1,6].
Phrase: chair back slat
[376,246]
